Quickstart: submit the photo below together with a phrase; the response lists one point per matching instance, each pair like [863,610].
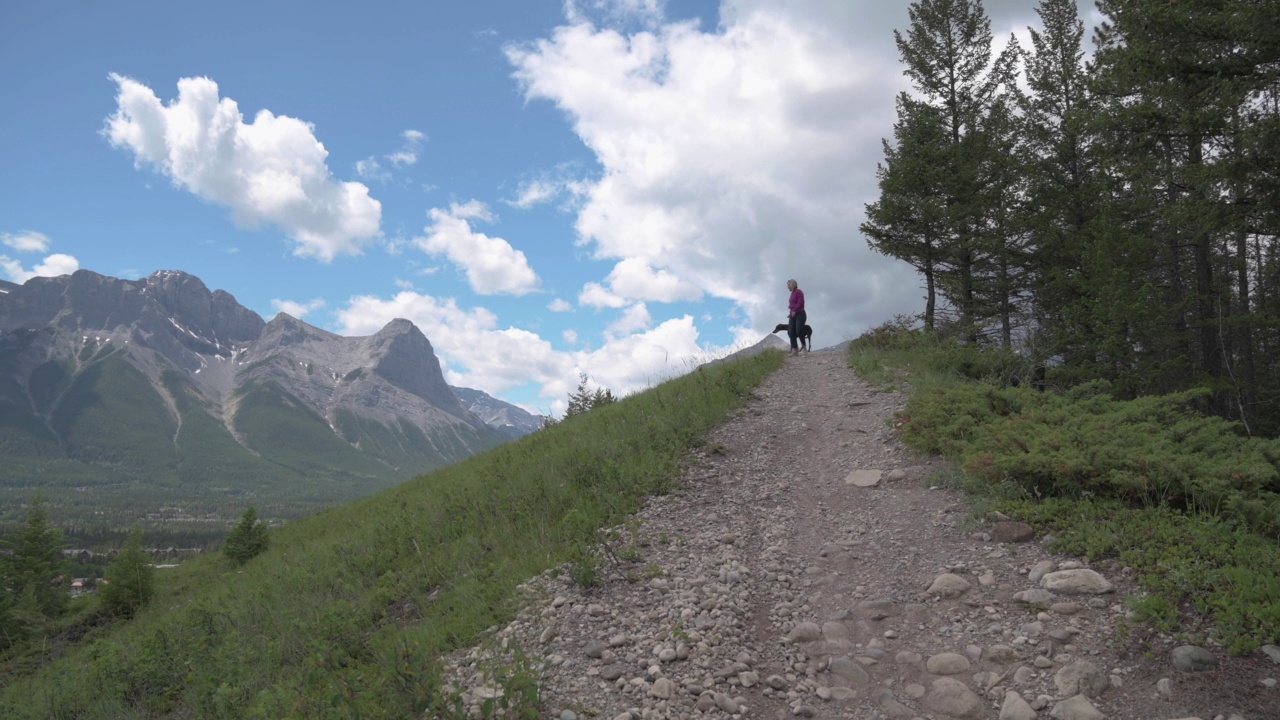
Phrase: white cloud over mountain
[272,170]
[26,242]
[491,265]
[52,266]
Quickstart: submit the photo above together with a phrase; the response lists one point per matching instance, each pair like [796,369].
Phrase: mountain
[118,396]
[510,421]
[768,342]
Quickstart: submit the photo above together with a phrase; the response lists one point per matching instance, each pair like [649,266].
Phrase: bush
[248,540]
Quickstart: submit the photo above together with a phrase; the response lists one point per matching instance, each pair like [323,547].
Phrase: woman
[796,316]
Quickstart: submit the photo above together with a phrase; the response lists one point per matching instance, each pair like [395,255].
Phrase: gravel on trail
[812,566]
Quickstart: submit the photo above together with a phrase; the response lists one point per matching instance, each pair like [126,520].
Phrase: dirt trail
[809,567]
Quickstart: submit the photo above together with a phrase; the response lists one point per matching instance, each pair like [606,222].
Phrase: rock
[915,691]
[1066,608]
[1164,688]
[726,703]
[1000,654]
[947,664]
[1080,581]
[849,671]
[1015,708]
[568,715]
[1081,678]
[953,698]
[1189,658]
[804,632]
[948,585]
[748,679]
[1024,675]
[1036,596]
[1272,652]
[1010,531]
[1040,569]
[896,474]
[662,689]
[593,649]
[835,631]
[705,702]
[863,478]
[777,682]
[611,672]
[1076,708]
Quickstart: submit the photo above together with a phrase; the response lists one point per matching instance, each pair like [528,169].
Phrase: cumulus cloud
[270,171]
[26,242]
[297,309]
[733,158]
[370,169]
[633,319]
[559,305]
[492,266]
[52,266]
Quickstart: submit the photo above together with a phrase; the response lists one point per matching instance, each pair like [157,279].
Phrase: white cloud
[735,158]
[272,170]
[408,153]
[370,169]
[54,265]
[26,242]
[570,336]
[297,309]
[492,266]
[597,296]
[534,193]
[633,319]
[559,305]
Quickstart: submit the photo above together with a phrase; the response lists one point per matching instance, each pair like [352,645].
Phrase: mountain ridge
[165,386]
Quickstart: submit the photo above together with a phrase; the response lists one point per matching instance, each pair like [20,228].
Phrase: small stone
[804,711]
[1036,596]
[1077,581]
[726,703]
[849,671]
[1272,652]
[915,691]
[1076,708]
[1269,683]
[896,474]
[618,641]
[804,632]
[1081,678]
[947,664]
[1040,569]
[596,610]
[568,715]
[948,585]
[1000,654]
[667,655]
[705,702]
[1164,687]
[748,679]
[951,697]
[1189,658]
[906,657]
[1015,708]
[863,478]
[1042,662]
[662,689]
[1011,531]
[1024,675]
[777,682]
[1066,608]
[611,672]
[593,649]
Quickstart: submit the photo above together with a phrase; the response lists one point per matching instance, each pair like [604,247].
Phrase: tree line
[1115,218]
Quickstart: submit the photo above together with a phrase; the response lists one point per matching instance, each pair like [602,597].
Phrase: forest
[1111,216]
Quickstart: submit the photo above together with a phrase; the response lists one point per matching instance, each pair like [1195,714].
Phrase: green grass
[1188,501]
[348,612]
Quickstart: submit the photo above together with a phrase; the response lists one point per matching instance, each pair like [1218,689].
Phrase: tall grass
[1186,500]
[349,612]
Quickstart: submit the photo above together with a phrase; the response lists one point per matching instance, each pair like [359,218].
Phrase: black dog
[806,334]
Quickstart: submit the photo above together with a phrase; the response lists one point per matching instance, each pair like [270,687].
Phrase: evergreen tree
[948,57]
[584,400]
[35,564]
[1063,192]
[908,222]
[248,540]
[130,579]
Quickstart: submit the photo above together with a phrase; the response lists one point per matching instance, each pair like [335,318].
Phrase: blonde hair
[793,284]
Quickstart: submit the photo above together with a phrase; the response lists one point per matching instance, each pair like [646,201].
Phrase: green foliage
[34,564]
[130,579]
[584,399]
[248,540]
[1186,500]
[351,610]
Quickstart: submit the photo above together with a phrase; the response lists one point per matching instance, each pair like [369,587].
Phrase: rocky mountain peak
[403,356]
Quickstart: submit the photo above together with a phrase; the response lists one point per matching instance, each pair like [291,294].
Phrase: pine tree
[130,579]
[35,564]
[248,540]
[948,57]
[584,400]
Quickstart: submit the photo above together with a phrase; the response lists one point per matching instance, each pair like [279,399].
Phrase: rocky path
[810,567]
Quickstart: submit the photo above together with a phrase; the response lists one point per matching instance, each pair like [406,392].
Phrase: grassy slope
[1187,501]
[349,610]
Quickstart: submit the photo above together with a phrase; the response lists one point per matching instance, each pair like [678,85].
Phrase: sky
[547,188]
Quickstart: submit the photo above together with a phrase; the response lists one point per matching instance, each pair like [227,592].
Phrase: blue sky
[616,188]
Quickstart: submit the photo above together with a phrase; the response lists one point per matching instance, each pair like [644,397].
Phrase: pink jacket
[797,302]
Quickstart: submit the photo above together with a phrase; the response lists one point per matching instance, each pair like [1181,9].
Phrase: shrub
[130,579]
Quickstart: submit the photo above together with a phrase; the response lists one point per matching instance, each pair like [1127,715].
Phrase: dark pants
[794,326]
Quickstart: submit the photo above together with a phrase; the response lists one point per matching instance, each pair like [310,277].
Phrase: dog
[806,335]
